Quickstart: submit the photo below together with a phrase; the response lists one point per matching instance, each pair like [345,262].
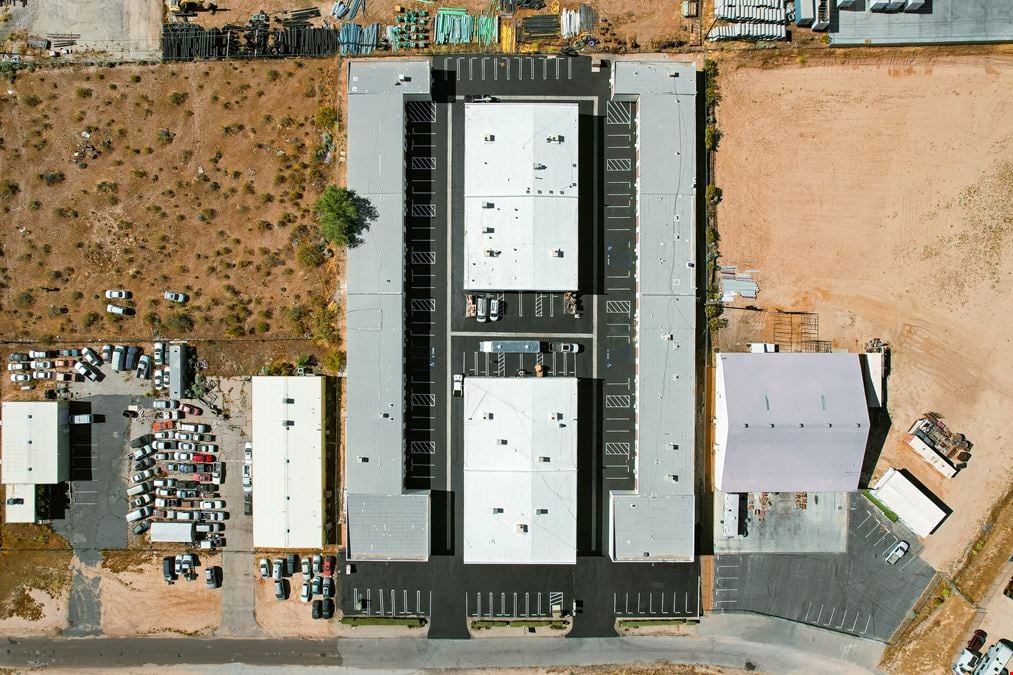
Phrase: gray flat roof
[945,21]
[374,401]
[387,527]
[383,522]
[789,422]
[657,521]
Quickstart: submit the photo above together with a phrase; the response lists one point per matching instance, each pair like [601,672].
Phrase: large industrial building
[656,522]
[520,470]
[289,449]
[789,422]
[384,521]
[520,196]
[36,451]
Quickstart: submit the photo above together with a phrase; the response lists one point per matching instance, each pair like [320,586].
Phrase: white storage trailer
[174,532]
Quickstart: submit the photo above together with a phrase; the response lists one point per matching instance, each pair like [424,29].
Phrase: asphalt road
[771,645]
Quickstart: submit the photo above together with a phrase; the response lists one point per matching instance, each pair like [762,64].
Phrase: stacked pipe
[748,31]
[539,26]
[453,26]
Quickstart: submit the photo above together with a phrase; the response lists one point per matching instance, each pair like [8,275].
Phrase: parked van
[139,489]
[143,512]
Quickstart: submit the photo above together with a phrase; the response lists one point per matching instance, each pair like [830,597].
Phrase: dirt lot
[196,177]
[880,196]
[35,583]
[136,600]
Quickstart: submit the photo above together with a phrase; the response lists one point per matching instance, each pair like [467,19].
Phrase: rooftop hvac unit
[362,459]
[489,138]
[288,423]
[487,415]
[497,509]
[557,253]
[878,5]
[542,512]
[544,460]
[285,400]
[522,528]
[538,166]
[554,139]
[488,205]
[846,4]
[896,5]
[914,5]
[488,230]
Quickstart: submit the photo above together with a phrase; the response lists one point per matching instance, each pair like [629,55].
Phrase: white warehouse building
[289,447]
[520,470]
[520,196]
[789,422]
[36,451]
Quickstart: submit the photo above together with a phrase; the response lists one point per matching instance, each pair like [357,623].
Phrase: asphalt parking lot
[855,592]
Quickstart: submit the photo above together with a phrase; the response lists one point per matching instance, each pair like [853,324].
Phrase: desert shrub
[309,256]
[179,322]
[52,177]
[327,116]
[8,189]
[83,92]
[177,98]
[91,318]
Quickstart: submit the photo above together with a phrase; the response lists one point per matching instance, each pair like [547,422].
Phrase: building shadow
[879,419]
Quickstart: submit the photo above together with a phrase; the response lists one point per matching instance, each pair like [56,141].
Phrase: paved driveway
[855,592]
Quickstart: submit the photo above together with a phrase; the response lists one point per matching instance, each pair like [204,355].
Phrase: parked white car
[213,504]
[118,310]
[118,295]
[174,296]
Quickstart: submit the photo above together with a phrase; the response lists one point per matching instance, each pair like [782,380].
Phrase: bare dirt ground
[136,600]
[198,178]
[35,582]
[880,196]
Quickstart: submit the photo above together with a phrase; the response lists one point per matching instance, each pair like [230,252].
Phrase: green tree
[338,214]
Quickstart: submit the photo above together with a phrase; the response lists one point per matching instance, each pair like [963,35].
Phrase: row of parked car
[184,565]
[48,364]
[121,294]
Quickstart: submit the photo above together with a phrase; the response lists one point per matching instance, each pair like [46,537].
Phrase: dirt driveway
[880,196]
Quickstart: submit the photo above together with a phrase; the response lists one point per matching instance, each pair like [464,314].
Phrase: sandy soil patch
[53,610]
[881,197]
[291,617]
[197,177]
[136,600]
[931,642]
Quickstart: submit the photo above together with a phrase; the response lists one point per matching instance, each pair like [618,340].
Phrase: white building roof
[23,512]
[36,442]
[172,532]
[520,196]
[520,470]
[288,461]
[790,422]
[914,508]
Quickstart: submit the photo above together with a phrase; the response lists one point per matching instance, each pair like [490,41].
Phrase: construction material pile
[539,27]
[299,18]
[256,38]
[753,20]
[575,22]
[411,31]
[487,29]
[454,26]
[356,39]
[349,10]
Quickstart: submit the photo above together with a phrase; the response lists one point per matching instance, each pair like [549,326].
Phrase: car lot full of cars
[317,588]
